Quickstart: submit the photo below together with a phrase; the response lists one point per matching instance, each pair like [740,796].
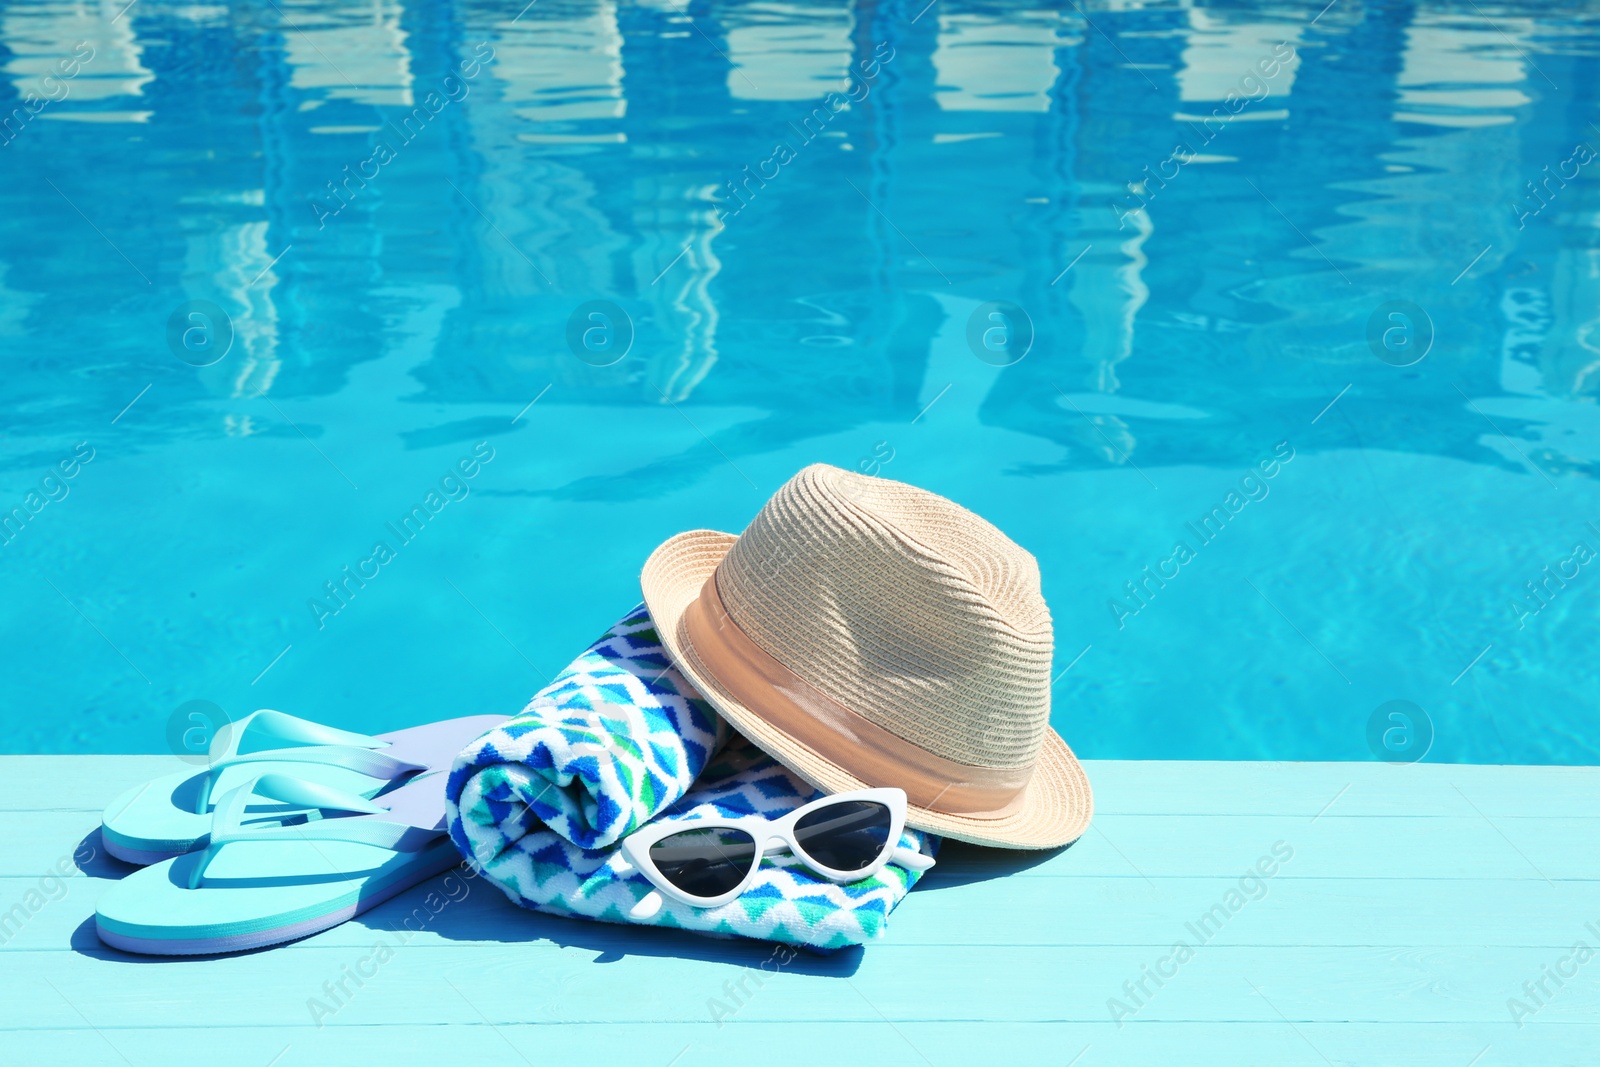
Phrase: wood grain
[1417,903]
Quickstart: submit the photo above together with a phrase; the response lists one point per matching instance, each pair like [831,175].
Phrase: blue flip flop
[261,884]
[171,815]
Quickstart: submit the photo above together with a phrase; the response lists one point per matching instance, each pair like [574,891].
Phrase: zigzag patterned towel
[539,803]
[596,754]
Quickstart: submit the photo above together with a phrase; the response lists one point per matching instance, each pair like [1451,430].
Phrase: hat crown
[902,606]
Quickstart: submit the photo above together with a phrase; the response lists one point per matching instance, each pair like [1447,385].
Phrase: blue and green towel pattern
[620,738]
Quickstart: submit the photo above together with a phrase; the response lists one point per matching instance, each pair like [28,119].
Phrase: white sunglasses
[710,861]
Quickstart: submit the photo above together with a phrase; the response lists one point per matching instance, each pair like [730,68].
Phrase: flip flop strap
[360,760]
[283,731]
[227,824]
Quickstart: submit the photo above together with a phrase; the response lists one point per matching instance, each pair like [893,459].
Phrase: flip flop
[259,885]
[171,815]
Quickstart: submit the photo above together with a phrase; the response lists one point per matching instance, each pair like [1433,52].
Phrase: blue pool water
[1230,229]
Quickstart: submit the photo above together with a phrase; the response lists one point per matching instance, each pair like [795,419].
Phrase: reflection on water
[798,205]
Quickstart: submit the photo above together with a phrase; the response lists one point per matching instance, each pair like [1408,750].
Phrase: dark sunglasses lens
[845,837]
[705,863]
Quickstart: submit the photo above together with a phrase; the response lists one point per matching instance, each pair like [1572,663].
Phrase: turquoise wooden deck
[1415,902]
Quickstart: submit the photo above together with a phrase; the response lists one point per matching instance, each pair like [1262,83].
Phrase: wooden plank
[1122,787]
[1148,846]
[1131,787]
[1087,910]
[671,980]
[75,783]
[739,1041]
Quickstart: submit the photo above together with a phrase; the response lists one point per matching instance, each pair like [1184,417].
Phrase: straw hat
[864,632]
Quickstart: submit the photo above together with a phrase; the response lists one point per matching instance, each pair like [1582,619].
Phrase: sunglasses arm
[910,859]
[648,905]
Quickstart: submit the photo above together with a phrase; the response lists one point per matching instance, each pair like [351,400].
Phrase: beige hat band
[868,751]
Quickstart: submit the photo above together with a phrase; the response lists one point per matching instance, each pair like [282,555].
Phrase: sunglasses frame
[766,833]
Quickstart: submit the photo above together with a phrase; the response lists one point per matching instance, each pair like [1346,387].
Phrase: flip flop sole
[360,895]
[139,857]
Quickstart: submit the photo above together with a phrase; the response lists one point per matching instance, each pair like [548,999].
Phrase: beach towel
[620,738]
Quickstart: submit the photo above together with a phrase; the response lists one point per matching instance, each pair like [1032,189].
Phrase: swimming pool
[1271,329]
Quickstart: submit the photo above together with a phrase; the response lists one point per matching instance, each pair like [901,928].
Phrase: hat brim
[1056,805]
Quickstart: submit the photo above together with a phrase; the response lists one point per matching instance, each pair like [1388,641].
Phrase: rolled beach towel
[620,738]
[601,750]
